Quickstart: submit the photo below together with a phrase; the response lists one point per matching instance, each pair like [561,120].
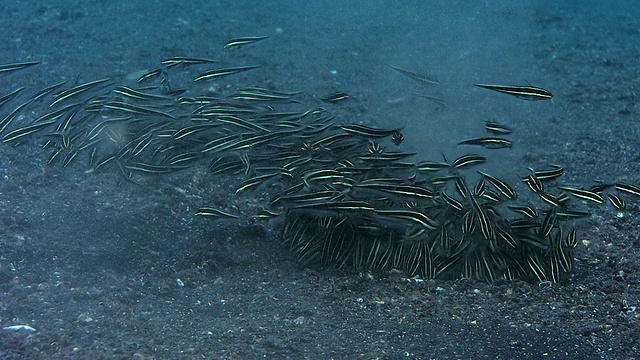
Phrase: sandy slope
[93,266]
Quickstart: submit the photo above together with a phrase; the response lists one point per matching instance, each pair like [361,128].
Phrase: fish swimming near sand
[523,92]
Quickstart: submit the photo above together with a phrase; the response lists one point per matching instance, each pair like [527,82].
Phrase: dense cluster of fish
[347,196]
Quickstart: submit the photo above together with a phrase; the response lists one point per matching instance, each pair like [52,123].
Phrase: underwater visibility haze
[380,179]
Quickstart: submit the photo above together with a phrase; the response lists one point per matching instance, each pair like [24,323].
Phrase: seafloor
[103,269]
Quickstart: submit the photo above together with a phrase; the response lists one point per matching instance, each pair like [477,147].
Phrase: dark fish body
[468,160]
[497,128]
[215,73]
[181,60]
[6,98]
[488,142]
[522,92]
[243,41]
[215,213]
[628,188]
[5,68]
[336,97]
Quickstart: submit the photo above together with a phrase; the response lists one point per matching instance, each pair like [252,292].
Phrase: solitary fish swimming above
[523,92]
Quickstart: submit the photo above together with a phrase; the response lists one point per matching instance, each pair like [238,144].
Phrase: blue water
[584,52]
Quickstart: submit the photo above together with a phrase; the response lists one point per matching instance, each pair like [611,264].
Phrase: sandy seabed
[105,270]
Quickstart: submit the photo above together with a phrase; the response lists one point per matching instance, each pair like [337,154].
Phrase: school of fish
[346,194]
